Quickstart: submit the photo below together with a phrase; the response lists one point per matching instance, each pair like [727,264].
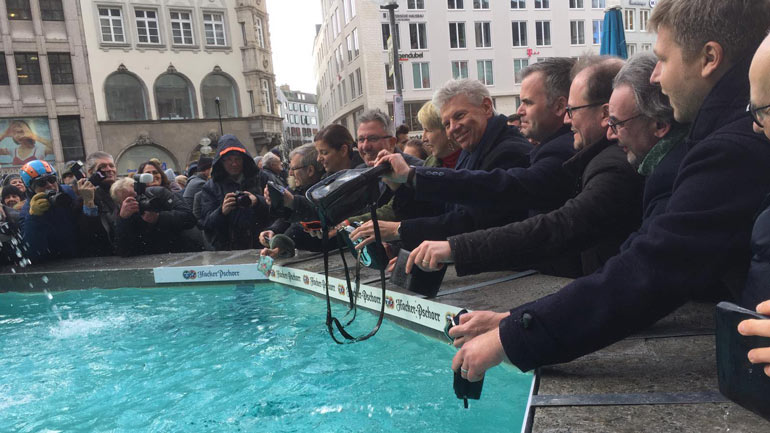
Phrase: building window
[60,65]
[346,7]
[418,36]
[519,31]
[460,69]
[386,35]
[415,4]
[518,4]
[181,28]
[646,47]
[480,4]
[18,9]
[125,97]
[518,66]
[543,33]
[359,85]
[260,33]
[542,4]
[390,80]
[597,32]
[421,75]
[71,138]
[111,22]
[598,4]
[457,35]
[644,16]
[28,68]
[352,81]
[147,27]
[344,94]
[214,28]
[455,4]
[486,75]
[3,70]
[51,10]
[483,34]
[356,48]
[577,32]
[336,22]
[174,97]
[631,49]
[267,99]
[410,114]
[251,101]
[349,42]
[628,20]
[576,4]
[218,86]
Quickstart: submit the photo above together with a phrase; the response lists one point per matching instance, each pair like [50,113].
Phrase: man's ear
[605,113]
[661,129]
[390,144]
[488,107]
[560,106]
[712,59]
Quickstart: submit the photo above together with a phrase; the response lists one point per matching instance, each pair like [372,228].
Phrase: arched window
[219,86]
[130,160]
[126,97]
[174,97]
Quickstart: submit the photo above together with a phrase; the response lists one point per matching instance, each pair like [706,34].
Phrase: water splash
[45,279]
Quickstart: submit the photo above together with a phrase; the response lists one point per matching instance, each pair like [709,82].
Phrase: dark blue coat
[758,282]
[697,248]
[238,229]
[501,146]
[541,187]
[56,233]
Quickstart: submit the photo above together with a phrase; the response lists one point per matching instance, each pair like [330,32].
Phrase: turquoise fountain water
[225,359]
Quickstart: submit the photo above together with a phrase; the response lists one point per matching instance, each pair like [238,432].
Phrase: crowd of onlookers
[642,179]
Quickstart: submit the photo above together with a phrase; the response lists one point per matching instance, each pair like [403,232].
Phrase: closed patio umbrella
[613,35]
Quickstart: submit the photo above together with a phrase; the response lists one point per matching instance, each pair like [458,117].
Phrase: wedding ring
[464,371]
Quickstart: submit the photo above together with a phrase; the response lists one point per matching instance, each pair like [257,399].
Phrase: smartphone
[276,194]
[739,380]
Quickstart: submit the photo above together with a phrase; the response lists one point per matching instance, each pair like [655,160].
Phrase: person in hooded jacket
[232,209]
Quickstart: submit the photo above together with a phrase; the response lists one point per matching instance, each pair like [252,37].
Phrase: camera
[58,198]
[242,199]
[96,179]
[77,170]
[146,199]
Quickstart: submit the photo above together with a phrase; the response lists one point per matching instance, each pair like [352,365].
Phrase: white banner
[207,274]
[423,312]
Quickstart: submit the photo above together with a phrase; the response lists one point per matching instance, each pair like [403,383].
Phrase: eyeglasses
[42,181]
[615,124]
[372,138]
[297,168]
[571,110]
[758,113]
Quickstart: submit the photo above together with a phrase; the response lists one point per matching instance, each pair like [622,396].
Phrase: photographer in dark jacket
[102,173]
[156,230]
[232,221]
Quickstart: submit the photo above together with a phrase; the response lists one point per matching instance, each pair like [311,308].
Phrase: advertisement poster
[23,140]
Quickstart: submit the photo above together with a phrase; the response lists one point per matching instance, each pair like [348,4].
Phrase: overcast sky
[292,30]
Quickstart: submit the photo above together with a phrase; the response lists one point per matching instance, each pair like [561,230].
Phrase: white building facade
[300,116]
[443,39]
[166,71]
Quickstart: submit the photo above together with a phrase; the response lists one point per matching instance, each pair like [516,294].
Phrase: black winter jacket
[595,222]
[239,229]
[697,248]
[501,146]
[134,236]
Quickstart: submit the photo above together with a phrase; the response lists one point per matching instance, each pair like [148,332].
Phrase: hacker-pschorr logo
[306,280]
[189,275]
[341,289]
[389,302]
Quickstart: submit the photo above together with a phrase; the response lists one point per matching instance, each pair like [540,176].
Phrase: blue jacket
[56,233]
[697,248]
[238,229]
[501,146]
[541,187]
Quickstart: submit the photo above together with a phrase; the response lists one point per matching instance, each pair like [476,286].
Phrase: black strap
[330,319]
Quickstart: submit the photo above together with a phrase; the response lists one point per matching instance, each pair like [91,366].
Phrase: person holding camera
[55,219]
[102,173]
[232,208]
[150,219]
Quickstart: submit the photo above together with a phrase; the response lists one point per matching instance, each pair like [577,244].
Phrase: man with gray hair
[487,143]
[375,133]
[101,170]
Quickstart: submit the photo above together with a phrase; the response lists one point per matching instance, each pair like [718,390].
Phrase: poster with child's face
[23,140]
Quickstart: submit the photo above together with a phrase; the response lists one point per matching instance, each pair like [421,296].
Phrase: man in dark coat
[100,168]
[158,230]
[699,246]
[196,181]
[594,223]
[231,224]
[487,142]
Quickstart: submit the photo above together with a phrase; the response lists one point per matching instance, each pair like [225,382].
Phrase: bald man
[759,273]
